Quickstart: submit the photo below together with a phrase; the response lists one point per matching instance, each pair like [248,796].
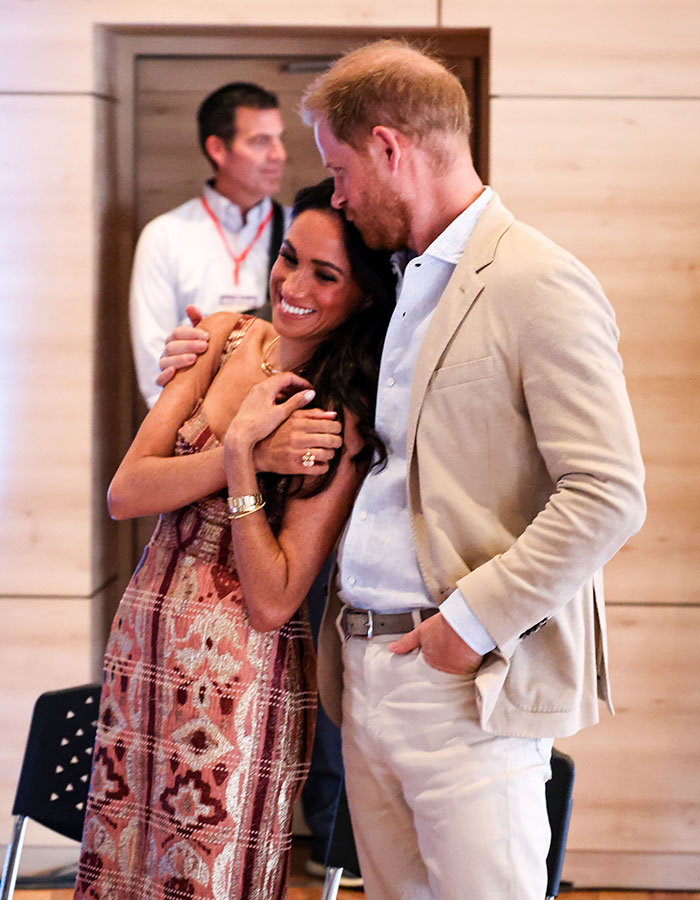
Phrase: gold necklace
[264,364]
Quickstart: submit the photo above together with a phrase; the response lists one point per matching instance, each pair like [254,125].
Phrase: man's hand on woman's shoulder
[182,347]
[306,431]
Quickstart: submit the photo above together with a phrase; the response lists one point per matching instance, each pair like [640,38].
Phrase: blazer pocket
[461,373]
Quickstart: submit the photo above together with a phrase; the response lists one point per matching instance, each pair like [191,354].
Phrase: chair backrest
[342,853]
[55,774]
[559,793]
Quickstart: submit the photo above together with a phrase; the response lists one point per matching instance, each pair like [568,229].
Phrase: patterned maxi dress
[205,724]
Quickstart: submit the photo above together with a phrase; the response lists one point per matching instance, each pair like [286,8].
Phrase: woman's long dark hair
[344,368]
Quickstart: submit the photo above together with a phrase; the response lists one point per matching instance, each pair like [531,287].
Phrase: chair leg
[331,883]
[12,855]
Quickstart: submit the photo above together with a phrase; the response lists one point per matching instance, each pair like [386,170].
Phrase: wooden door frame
[118,50]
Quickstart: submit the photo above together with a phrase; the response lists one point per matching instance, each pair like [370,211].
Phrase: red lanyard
[237,260]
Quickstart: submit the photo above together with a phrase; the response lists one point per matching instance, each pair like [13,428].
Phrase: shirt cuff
[459,616]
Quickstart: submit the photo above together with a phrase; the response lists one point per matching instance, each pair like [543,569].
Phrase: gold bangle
[244,505]
[246,513]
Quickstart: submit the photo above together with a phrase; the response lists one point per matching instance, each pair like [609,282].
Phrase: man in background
[216,250]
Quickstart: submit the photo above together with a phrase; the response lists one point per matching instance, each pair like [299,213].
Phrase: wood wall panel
[615,182]
[59,36]
[45,646]
[652,872]
[47,269]
[111,421]
[604,179]
[587,47]
[637,787]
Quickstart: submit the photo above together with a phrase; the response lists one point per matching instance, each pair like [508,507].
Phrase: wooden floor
[308,891]
[302,887]
[305,890]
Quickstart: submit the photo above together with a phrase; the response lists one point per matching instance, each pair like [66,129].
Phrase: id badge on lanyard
[238,298]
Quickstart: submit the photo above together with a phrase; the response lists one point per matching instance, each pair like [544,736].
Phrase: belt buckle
[370,625]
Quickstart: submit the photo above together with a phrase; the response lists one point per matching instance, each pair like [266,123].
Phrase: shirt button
[390,381]
[351,580]
[363,515]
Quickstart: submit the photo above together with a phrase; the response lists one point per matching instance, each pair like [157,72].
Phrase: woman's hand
[316,431]
[259,414]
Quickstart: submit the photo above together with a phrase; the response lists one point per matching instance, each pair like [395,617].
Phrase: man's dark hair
[217,112]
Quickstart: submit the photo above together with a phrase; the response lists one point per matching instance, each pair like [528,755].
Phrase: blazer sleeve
[580,415]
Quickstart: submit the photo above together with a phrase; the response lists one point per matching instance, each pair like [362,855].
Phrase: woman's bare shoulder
[220,325]
[263,332]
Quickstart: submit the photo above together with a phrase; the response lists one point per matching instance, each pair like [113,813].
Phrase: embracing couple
[474,450]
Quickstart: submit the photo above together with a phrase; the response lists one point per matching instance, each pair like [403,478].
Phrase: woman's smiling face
[312,288]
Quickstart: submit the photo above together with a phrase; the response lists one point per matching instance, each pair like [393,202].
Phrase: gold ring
[308,459]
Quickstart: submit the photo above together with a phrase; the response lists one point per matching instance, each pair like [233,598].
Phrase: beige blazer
[525,475]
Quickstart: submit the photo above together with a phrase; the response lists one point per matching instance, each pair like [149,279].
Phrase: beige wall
[595,139]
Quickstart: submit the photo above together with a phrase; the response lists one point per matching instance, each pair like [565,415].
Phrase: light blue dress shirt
[378,567]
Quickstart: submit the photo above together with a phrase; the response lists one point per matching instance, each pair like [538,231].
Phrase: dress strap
[236,336]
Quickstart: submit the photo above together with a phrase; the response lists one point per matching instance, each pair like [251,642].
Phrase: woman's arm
[277,572]
[150,479]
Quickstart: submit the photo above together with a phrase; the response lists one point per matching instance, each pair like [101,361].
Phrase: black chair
[55,775]
[559,793]
[343,854]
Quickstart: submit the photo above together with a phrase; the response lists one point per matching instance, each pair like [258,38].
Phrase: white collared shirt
[181,259]
[378,567]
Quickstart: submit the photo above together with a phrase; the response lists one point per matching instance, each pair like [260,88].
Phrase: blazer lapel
[462,290]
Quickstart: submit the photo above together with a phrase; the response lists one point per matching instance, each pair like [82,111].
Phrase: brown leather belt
[366,624]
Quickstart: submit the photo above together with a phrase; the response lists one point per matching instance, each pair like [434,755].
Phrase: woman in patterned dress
[207,707]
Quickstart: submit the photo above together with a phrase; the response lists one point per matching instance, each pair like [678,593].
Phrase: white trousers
[441,810]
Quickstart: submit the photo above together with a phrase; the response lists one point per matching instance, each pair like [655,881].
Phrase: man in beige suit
[465,628]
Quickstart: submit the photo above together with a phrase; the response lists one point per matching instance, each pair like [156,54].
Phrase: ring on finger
[308,459]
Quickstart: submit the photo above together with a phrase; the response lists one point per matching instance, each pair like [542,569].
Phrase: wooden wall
[595,138]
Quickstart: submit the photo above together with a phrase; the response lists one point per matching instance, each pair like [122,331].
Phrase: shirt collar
[449,244]
[229,214]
